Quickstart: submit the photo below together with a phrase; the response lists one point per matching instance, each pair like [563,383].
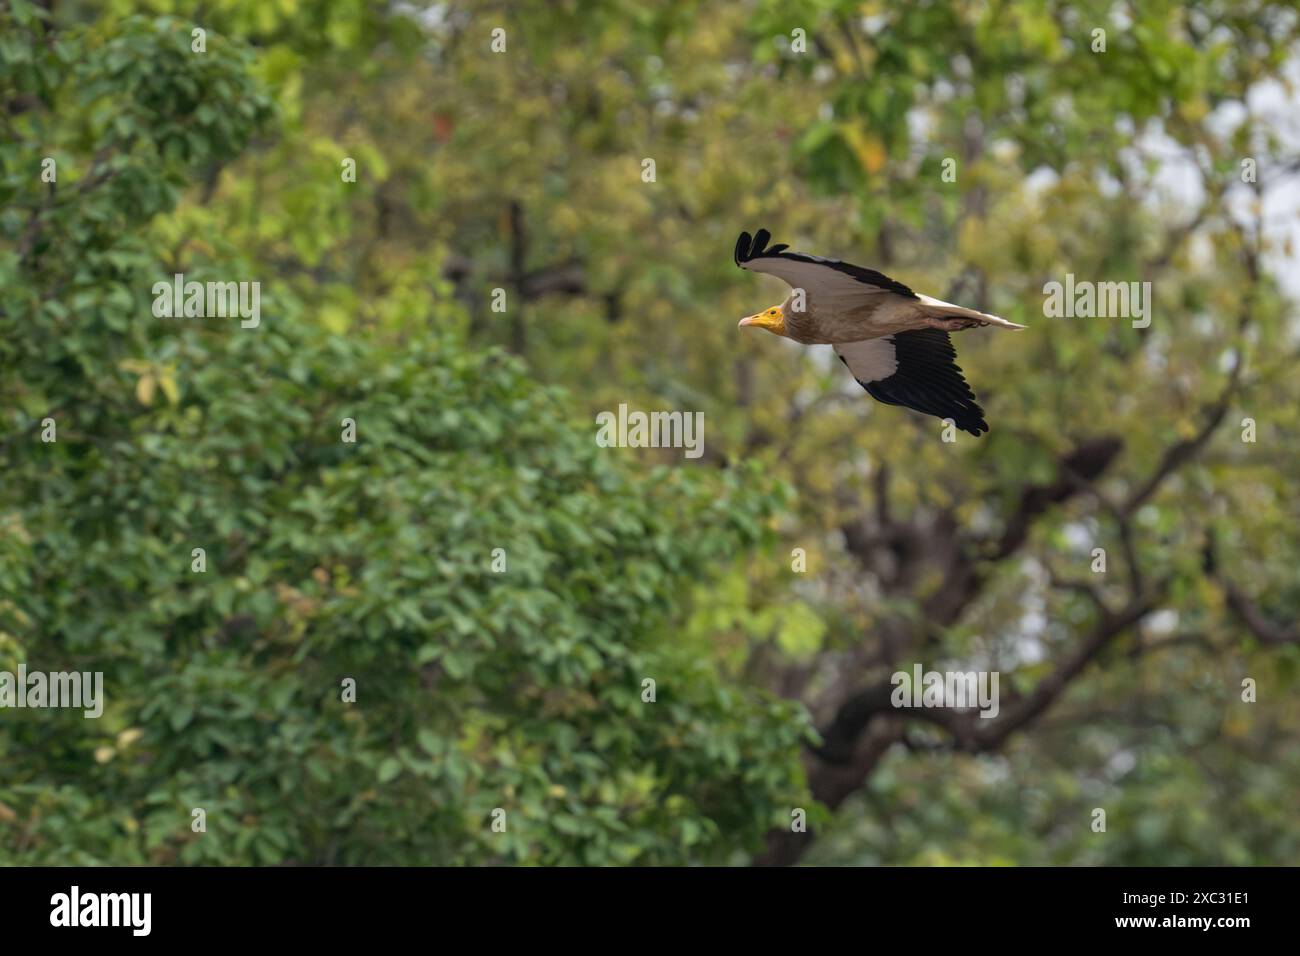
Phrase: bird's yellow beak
[771,320]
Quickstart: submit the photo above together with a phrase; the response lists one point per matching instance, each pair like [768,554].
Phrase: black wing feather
[742,248]
[929,380]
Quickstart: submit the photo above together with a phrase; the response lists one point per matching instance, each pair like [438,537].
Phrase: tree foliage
[518,687]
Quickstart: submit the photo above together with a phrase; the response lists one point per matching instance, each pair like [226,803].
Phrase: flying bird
[894,341]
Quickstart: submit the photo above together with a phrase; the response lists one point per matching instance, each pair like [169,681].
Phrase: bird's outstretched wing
[915,369]
[823,279]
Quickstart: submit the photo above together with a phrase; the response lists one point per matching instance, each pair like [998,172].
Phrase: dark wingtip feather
[752,247]
[971,418]
[742,248]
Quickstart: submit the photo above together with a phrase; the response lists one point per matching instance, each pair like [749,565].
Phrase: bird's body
[822,324]
[894,341]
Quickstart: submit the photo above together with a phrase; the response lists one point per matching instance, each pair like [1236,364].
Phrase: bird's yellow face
[773,320]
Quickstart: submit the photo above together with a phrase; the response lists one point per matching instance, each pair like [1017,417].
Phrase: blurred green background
[478,689]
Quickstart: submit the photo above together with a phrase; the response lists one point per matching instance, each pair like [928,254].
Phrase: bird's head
[773,320]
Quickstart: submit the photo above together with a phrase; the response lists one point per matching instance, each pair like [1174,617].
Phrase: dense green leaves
[477,688]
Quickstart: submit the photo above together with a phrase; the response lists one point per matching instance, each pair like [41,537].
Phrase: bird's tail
[946,310]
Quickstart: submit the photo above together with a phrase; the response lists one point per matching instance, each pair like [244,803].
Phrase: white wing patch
[870,360]
[830,282]
[822,283]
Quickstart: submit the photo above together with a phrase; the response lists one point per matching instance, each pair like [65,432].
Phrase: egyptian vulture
[894,341]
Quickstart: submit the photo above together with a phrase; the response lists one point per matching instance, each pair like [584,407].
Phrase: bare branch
[1082,466]
[1244,608]
[1045,693]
